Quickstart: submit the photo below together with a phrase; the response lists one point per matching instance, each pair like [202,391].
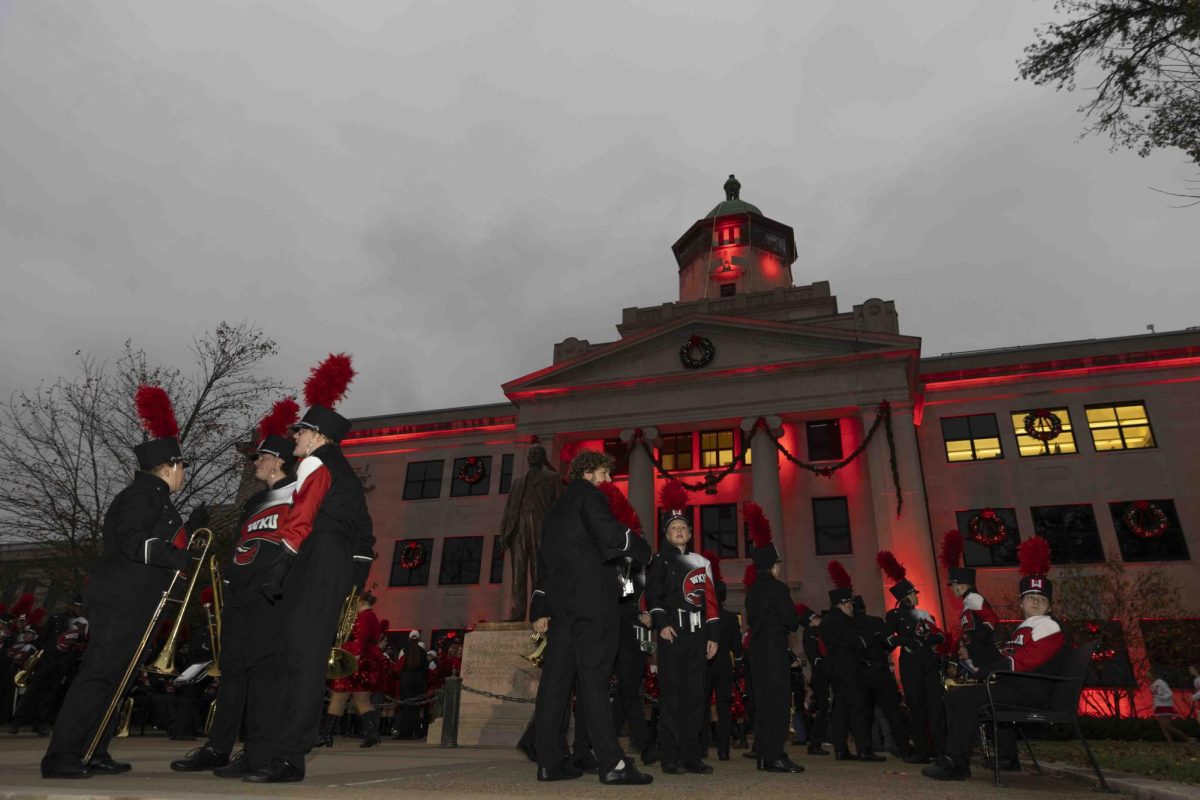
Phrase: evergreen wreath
[413,556]
[1042,425]
[472,471]
[987,528]
[687,352]
[1145,520]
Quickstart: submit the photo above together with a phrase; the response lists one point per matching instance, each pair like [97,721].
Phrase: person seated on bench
[1037,646]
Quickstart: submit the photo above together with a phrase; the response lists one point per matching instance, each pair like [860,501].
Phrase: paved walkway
[423,771]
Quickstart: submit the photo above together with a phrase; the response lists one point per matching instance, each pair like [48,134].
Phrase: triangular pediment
[739,344]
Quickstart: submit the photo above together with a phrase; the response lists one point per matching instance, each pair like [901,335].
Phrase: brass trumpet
[212,614]
[343,663]
[21,679]
[539,653]
[200,541]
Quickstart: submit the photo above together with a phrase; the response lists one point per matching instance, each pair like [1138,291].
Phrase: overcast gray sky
[446,189]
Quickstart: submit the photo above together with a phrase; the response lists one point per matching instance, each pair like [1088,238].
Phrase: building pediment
[741,346]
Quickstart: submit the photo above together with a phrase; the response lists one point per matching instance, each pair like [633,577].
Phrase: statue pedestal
[493,660]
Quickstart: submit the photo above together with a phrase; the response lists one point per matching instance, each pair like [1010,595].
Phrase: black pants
[820,710]
[851,713]
[923,692]
[629,707]
[37,704]
[682,679]
[587,648]
[241,624]
[772,687]
[720,689]
[412,684]
[963,706]
[116,624]
[880,686]
[287,672]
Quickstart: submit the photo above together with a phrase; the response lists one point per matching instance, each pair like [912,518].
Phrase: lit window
[676,451]
[716,449]
[1120,427]
[1061,444]
[973,438]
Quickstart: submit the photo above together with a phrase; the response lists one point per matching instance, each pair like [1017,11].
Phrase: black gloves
[198,519]
[272,587]
[362,570]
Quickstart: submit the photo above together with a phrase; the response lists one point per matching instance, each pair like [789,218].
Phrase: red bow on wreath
[472,471]
[1145,520]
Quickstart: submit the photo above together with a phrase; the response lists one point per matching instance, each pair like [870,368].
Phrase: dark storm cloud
[445,190]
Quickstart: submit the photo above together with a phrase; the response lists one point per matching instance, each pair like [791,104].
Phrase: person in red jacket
[1037,646]
[357,687]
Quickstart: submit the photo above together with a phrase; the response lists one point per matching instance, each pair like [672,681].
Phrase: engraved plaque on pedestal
[493,660]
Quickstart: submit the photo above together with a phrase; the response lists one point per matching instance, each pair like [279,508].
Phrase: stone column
[641,479]
[764,475]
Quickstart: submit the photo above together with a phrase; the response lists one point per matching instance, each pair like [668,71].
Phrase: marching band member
[359,685]
[144,544]
[771,616]
[683,607]
[850,716]
[977,622]
[1037,646]
[328,537]
[721,667]
[816,654]
[246,614]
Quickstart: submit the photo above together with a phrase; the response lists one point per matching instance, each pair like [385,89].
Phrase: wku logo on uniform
[265,524]
[693,587]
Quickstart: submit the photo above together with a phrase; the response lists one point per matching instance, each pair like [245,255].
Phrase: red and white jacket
[1034,642]
[976,614]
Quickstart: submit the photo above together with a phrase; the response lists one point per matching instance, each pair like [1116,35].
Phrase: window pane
[418,576]
[983,425]
[1132,414]
[824,440]
[506,473]
[1138,437]
[460,560]
[1071,531]
[1100,416]
[1107,439]
[956,428]
[1120,427]
[1000,555]
[718,529]
[460,488]
[1170,545]
[423,480]
[960,451]
[1063,443]
[496,574]
[987,448]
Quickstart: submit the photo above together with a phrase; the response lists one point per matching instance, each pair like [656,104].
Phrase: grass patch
[1173,762]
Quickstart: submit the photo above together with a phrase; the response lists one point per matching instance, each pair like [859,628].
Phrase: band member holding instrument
[245,616]
[358,685]
[329,540]
[977,621]
[144,540]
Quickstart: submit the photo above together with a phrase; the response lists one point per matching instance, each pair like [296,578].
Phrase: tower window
[728,289]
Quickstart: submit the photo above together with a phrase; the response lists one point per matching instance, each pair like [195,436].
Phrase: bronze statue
[521,529]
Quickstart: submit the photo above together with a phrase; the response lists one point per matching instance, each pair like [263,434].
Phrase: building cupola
[734,250]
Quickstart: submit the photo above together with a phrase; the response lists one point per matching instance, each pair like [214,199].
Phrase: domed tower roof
[733,204]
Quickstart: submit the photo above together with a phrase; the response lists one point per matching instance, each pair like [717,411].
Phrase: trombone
[343,663]
[212,614]
[200,541]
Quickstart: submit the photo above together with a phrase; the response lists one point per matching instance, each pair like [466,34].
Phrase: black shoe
[565,771]
[723,753]
[871,756]
[325,731]
[917,758]
[1006,764]
[817,750]
[65,768]
[586,762]
[627,776]
[278,771]
[947,769]
[370,729]
[202,758]
[844,755]
[104,765]
[783,764]
[238,767]
[650,753]
[674,768]
[697,767]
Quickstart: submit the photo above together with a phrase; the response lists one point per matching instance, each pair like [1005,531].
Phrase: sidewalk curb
[1138,786]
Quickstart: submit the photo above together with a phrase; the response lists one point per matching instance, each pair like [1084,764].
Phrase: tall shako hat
[843,584]
[158,419]
[763,552]
[901,586]
[1033,559]
[323,389]
[273,429]
[673,499]
[951,558]
[806,614]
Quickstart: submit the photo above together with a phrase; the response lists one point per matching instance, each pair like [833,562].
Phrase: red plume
[715,560]
[620,507]
[837,573]
[892,568]
[206,596]
[154,408]
[672,496]
[37,616]
[1033,556]
[281,416]
[751,575]
[952,548]
[327,382]
[23,605]
[757,524]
